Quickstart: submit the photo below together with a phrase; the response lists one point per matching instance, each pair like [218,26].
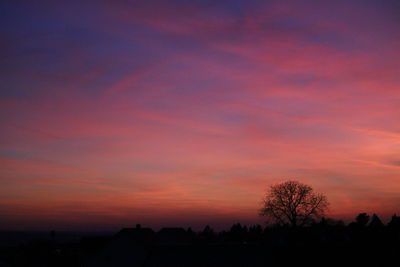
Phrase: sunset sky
[182,113]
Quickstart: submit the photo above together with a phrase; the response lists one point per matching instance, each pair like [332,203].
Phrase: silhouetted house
[140,234]
[129,247]
[394,227]
[394,222]
[173,236]
[375,223]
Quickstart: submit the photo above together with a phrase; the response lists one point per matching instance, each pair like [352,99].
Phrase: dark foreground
[323,244]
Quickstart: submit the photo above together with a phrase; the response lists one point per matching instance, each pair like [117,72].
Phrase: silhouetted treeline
[366,241]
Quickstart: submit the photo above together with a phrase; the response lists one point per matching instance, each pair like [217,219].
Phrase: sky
[183,113]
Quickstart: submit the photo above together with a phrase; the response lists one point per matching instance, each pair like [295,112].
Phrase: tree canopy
[293,203]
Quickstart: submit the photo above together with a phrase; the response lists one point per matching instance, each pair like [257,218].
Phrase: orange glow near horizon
[171,113]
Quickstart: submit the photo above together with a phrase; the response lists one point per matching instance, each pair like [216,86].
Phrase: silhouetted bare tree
[293,203]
